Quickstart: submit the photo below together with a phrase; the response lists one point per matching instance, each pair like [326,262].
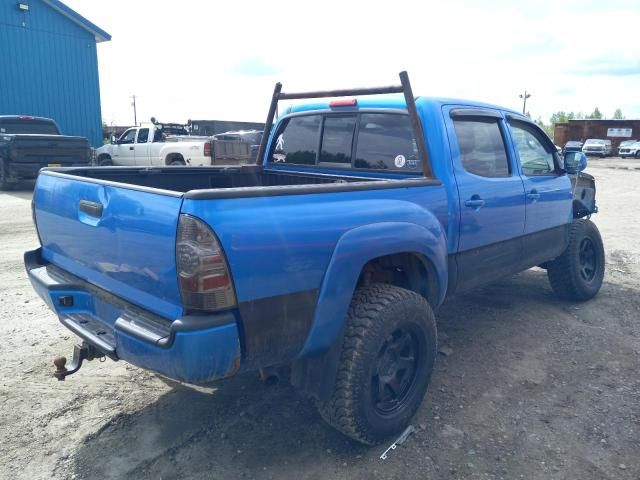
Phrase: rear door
[120,239]
[491,195]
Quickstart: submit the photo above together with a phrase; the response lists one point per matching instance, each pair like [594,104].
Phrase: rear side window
[143,135]
[337,139]
[298,141]
[386,142]
[482,150]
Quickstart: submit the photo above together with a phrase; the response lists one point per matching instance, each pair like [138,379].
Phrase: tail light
[207,149]
[203,273]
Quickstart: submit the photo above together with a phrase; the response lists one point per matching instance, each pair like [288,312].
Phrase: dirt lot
[531,387]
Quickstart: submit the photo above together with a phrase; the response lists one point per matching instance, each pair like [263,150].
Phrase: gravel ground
[526,387]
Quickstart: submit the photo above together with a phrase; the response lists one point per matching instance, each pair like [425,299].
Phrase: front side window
[535,159]
[337,138]
[128,136]
[482,150]
[386,142]
[143,135]
[297,142]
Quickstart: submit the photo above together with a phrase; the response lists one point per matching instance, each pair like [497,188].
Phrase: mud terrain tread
[561,271]
[367,303]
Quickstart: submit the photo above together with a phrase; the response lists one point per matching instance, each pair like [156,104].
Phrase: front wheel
[387,357]
[577,274]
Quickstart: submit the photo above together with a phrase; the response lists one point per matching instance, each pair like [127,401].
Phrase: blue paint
[278,245]
[50,67]
[354,249]
[194,357]
[129,251]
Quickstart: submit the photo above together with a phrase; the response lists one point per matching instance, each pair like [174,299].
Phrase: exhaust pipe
[270,376]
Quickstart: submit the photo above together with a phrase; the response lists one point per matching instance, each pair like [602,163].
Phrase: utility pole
[135,114]
[524,97]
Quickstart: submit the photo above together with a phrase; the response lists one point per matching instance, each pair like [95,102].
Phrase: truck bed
[234,181]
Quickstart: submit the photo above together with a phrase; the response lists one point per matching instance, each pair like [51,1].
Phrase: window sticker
[400,161]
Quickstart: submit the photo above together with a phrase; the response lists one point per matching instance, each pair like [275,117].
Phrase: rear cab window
[28,126]
[358,141]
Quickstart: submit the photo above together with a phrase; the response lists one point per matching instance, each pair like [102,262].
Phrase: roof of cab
[395,102]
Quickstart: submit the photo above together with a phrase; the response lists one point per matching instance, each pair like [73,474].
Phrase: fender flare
[352,252]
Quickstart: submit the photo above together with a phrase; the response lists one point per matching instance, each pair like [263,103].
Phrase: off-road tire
[376,313]
[566,274]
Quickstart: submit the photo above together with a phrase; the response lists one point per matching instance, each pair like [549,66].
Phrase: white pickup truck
[156,144]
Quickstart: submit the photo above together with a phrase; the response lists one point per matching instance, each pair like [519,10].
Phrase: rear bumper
[193,348]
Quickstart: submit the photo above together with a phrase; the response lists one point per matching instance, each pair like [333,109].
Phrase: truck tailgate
[57,149]
[120,239]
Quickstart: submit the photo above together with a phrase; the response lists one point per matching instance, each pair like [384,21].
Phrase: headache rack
[404,88]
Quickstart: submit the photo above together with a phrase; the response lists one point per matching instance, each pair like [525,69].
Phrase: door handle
[533,195]
[93,209]
[130,148]
[475,202]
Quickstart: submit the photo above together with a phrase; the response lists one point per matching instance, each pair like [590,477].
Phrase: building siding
[49,67]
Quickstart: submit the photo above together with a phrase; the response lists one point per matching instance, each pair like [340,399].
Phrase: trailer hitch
[80,353]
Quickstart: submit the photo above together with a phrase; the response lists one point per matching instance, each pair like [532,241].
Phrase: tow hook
[80,353]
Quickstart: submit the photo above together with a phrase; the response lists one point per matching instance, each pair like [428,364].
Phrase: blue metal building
[49,65]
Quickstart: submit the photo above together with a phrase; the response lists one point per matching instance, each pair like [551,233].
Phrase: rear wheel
[387,357]
[637,154]
[4,176]
[577,274]
[177,161]
[105,161]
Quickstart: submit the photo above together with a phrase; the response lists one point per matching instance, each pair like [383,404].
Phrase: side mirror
[114,141]
[574,162]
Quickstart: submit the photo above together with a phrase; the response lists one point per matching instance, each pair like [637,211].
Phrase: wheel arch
[377,244]
[171,156]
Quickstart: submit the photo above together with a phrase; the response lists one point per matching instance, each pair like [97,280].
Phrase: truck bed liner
[232,181]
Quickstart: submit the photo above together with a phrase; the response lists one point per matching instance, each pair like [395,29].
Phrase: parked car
[156,144]
[237,147]
[629,148]
[330,255]
[29,143]
[572,146]
[597,146]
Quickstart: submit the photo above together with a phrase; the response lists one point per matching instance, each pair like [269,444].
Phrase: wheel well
[172,157]
[409,270]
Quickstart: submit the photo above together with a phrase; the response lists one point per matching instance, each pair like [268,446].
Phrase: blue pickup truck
[329,256]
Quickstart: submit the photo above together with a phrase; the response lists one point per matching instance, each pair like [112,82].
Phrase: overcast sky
[220,60]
